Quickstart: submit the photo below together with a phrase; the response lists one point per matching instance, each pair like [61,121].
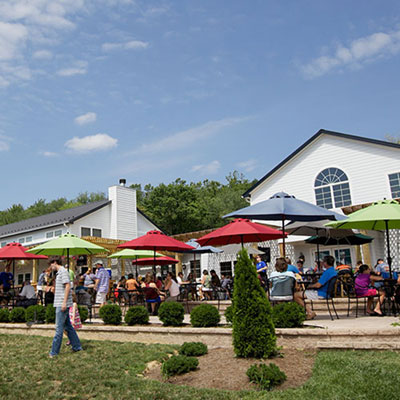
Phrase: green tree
[253,329]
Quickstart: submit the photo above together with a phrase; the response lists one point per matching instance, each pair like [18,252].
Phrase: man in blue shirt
[6,279]
[291,267]
[317,290]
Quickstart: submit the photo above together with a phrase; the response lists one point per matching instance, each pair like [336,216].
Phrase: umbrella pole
[241,240]
[283,231]
[318,256]
[68,259]
[194,269]
[154,265]
[13,275]
[389,259]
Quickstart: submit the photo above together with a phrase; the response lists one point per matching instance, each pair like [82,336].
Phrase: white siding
[100,219]
[123,213]
[366,165]
[144,225]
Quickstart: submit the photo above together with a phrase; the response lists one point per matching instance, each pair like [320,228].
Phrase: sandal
[311,315]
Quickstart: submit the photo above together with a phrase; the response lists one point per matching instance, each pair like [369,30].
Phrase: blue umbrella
[282,207]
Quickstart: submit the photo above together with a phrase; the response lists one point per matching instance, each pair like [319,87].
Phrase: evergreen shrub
[204,315]
[35,313]
[137,315]
[266,376]
[193,349]
[83,313]
[4,315]
[229,314]
[253,329]
[177,365]
[171,313]
[288,315]
[17,314]
[111,314]
[50,314]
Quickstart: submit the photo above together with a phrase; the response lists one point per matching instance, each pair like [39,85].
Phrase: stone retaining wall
[222,337]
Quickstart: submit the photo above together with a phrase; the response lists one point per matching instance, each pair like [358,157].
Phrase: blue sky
[95,90]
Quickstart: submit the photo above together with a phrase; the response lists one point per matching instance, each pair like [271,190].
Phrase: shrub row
[36,313]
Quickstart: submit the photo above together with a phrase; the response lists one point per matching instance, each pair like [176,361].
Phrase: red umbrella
[156,240]
[15,251]
[159,261]
[240,231]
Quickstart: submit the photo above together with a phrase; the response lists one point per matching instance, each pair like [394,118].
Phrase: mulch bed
[220,369]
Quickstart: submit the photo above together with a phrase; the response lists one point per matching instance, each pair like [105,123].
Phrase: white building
[339,172]
[115,218]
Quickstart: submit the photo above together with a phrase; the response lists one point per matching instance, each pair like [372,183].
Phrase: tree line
[176,207]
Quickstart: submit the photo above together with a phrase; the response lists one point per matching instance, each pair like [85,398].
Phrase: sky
[96,90]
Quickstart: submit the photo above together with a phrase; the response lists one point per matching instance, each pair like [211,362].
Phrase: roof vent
[122,182]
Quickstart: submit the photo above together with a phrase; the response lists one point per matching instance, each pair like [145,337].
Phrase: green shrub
[35,313]
[137,315]
[177,365]
[111,314]
[83,313]
[50,315]
[194,349]
[229,314]
[4,315]
[288,315]
[204,315]
[171,313]
[266,376]
[253,329]
[17,314]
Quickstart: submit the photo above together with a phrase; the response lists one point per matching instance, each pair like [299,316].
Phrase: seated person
[363,288]
[89,279]
[226,285]
[300,266]
[319,289]
[172,286]
[27,296]
[282,282]
[151,292]
[291,267]
[121,290]
[343,268]
[179,278]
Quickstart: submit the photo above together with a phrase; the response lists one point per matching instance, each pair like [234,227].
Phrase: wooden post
[179,265]
[34,271]
[366,251]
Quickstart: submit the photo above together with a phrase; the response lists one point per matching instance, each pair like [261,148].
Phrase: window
[3,244]
[28,239]
[21,240]
[96,232]
[193,265]
[226,268]
[58,233]
[343,256]
[27,277]
[394,180]
[332,189]
[20,279]
[85,231]
[49,235]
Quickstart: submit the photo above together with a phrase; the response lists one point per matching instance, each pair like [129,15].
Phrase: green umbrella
[134,255]
[67,245]
[379,216]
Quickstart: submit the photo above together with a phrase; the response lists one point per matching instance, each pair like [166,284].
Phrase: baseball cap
[99,262]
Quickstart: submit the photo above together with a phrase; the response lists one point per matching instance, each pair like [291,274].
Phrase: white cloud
[4,142]
[48,154]
[358,53]
[86,118]
[99,142]
[80,68]
[131,45]
[188,137]
[248,165]
[207,169]
[42,55]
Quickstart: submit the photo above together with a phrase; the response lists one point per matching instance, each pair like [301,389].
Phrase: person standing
[6,279]
[62,303]
[41,286]
[102,283]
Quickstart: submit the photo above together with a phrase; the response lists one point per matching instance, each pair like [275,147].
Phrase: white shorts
[101,297]
[313,295]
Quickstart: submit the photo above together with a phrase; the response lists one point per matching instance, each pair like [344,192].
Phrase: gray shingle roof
[57,218]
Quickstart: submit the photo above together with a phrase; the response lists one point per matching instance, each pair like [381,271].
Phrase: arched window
[332,188]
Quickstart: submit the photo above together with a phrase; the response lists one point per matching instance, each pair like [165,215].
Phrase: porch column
[178,266]
[34,271]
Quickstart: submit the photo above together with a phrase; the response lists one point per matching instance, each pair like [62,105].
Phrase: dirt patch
[220,369]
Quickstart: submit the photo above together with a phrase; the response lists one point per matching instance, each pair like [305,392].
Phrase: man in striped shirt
[62,302]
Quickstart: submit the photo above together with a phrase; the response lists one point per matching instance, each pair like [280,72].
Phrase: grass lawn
[108,370]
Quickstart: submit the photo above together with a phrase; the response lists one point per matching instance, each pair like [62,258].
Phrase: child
[363,288]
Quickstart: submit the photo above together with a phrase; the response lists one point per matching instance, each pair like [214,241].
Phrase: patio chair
[84,299]
[330,296]
[282,289]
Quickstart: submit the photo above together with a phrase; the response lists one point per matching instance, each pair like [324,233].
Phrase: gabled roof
[53,219]
[312,139]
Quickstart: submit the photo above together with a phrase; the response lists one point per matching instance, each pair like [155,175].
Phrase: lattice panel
[394,242]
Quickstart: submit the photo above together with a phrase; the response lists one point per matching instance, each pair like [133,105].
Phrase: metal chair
[282,289]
